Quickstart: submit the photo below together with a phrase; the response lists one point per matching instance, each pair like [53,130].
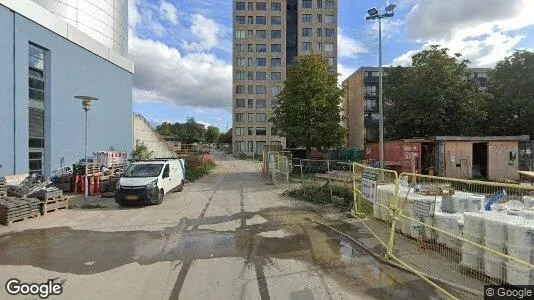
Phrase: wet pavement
[234,237]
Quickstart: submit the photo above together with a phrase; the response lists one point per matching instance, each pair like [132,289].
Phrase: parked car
[147,182]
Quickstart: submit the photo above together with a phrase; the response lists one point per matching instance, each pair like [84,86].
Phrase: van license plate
[131,197]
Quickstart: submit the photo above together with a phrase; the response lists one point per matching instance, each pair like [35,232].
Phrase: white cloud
[405,59]
[481,30]
[163,74]
[391,28]
[344,72]
[207,31]
[348,47]
[169,12]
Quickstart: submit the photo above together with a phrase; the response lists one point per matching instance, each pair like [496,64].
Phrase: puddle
[282,233]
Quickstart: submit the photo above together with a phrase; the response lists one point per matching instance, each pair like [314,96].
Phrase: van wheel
[181,186]
[160,197]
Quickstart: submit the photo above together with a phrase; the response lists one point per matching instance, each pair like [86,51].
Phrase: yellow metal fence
[440,229]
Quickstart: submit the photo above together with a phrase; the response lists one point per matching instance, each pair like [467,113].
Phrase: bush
[198,165]
[314,192]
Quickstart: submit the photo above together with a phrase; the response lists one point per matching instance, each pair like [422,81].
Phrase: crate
[16,209]
[47,194]
[79,169]
[54,205]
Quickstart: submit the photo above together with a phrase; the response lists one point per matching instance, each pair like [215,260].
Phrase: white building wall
[145,134]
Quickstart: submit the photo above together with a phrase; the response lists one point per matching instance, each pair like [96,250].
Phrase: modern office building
[360,103]
[268,36]
[49,54]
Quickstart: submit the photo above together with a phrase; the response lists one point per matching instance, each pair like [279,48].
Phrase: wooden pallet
[9,221]
[46,195]
[54,205]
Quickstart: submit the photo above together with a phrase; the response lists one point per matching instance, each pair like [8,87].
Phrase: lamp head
[373,12]
[86,101]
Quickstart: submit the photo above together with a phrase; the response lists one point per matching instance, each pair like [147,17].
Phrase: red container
[398,155]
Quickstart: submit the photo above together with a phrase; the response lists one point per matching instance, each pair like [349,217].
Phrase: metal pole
[86,167]
[380,104]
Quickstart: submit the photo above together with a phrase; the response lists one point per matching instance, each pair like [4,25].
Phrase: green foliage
[141,152]
[433,97]
[226,138]
[320,193]
[309,112]
[212,134]
[189,132]
[511,109]
[197,166]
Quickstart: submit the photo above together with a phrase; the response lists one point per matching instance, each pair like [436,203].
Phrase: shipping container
[411,155]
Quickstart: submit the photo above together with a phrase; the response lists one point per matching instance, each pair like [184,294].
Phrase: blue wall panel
[6,92]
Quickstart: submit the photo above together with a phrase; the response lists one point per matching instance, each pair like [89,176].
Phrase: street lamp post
[374,14]
[86,105]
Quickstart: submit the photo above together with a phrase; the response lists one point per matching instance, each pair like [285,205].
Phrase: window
[251,117]
[240,103]
[276,6]
[276,48]
[250,75]
[371,104]
[328,47]
[261,75]
[331,61]
[261,6]
[251,62]
[329,32]
[260,89]
[276,62]
[306,46]
[240,131]
[319,32]
[261,62]
[250,47]
[306,32]
[240,19]
[250,33]
[240,34]
[250,146]
[241,75]
[250,89]
[276,76]
[276,20]
[36,108]
[330,19]
[261,34]
[251,6]
[261,48]
[250,20]
[240,117]
[319,46]
[330,4]
[261,103]
[262,20]
[240,6]
[319,18]
[261,117]
[260,146]
[372,74]
[250,103]
[319,3]
[250,131]
[306,3]
[240,61]
[276,144]
[240,89]
[276,34]
[275,103]
[370,90]
[240,48]
[275,90]
[306,18]
[240,147]
[261,131]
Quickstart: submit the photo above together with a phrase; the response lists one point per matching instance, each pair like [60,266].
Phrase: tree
[226,138]
[212,134]
[141,152]
[193,132]
[511,84]
[433,97]
[309,111]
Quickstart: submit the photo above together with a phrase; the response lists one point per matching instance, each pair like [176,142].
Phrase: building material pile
[29,186]
[79,169]
[110,159]
[17,209]
[51,200]
[2,186]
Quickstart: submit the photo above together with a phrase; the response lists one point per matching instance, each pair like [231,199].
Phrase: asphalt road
[227,236]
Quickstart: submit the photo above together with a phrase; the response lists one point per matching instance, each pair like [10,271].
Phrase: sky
[182,49]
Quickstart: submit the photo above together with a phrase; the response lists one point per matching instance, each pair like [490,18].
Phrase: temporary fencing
[458,235]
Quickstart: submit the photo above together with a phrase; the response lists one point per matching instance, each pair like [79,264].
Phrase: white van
[149,181]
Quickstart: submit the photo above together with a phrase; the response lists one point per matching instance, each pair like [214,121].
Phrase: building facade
[267,37]
[46,62]
[360,103]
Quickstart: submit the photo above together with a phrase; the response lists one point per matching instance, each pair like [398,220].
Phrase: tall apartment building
[360,103]
[268,36]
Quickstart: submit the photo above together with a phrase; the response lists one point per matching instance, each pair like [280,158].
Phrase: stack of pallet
[3,186]
[79,169]
[109,159]
[17,209]
[52,200]
[28,186]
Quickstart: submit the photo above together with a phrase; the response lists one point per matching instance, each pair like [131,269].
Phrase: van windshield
[143,170]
